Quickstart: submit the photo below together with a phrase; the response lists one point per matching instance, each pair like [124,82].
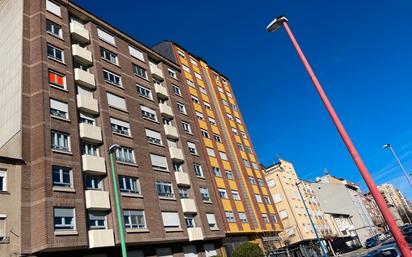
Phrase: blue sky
[361,52]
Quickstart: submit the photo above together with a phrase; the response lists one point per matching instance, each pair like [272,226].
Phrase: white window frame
[148,113]
[3,176]
[153,158]
[109,56]
[131,185]
[182,108]
[128,215]
[53,26]
[117,98]
[153,137]
[106,36]
[65,225]
[60,134]
[61,109]
[112,78]
[136,53]
[198,170]
[55,49]
[186,127]
[61,183]
[53,8]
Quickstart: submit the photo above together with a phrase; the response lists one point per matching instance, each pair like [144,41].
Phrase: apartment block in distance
[245,201]
[71,85]
[298,234]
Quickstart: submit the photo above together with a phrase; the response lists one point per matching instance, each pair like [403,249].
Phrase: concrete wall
[11,27]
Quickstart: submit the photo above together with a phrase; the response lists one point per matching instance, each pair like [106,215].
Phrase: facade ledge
[127,163]
[64,189]
[62,152]
[209,202]
[59,118]
[122,135]
[167,198]
[137,230]
[173,230]
[66,233]
[131,195]
[5,193]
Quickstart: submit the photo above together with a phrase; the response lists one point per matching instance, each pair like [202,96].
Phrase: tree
[248,250]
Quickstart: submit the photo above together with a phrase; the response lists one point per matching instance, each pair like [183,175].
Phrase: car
[371,242]
[387,250]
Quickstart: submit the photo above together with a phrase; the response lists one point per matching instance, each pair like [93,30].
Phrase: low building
[374,212]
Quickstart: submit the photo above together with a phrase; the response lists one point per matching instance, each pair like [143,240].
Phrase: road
[360,252]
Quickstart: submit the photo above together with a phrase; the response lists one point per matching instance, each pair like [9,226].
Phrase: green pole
[119,211]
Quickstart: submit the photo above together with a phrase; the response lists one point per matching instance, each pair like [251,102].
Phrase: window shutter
[136,53]
[116,101]
[58,105]
[211,219]
[119,122]
[106,36]
[146,109]
[171,219]
[190,251]
[63,212]
[210,250]
[53,8]
[2,226]
[152,133]
[159,161]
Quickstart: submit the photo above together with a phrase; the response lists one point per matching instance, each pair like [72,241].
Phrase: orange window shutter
[52,77]
[60,80]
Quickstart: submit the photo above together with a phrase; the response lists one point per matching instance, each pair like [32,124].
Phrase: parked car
[386,250]
[371,242]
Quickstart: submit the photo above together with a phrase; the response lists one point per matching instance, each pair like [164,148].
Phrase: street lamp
[399,162]
[400,240]
[311,221]
[111,151]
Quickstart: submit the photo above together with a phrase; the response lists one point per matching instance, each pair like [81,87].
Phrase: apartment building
[71,86]
[396,203]
[298,232]
[374,212]
[338,195]
[245,201]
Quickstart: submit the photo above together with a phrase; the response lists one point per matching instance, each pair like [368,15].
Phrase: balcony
[161,91]
[79,32]
[188,205]
[166,110]
[176,154]
[171,132]
[182,179]
[156,72]
[97,200]
[90,133]
[101,238]
[195,234]
[93,164]
[87,104]
[84,78]
[82,55]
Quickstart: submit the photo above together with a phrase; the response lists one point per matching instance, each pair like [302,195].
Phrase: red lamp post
[400,240]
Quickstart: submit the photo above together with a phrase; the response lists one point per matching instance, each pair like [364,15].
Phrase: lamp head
[113,148]
[276,23]
[386,146]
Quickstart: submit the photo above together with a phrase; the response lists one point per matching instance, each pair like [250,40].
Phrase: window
[198,170]
[55,53]
[105,36]
[243,135]
[204,133]
[177,90]
[246,163]
[265,218]
[60,141]
[2,227]
[195,99]
[274,218]
[197,75]
[136,53]
[200,116]
[164,189]
[230,117]
[229,174]
[53,8]
[260,182]
[222,193]
[186,127]
[193,62]
[54,29]
[190,83]
[139,71]
[124,154]
[93,183]
[234,107]
[185,68]
[59,109]
[229,216]
[172,73]
[277,198]
[207,105]
[129,185]
[170,220]
[181,54]
[134,219]
[223,156]
[210,250]
[211,220]
[87,119]
[267,199]
[3,180]
[258,198]
[212,121]
[203,91]
[177,167]
[240,147]
[255,166]
[235,195]
[192,148]
[283,214]
[190,221]
[225,102]
[271,183]
[116,101]
[153,137]
[112,78]
[216,171]
[220,89]
[120,127]
[217,138]
[64,219]
[249,149]
[62,176]
[182,108]
[204,192]
[108,56]
[148,113]
[235,131]
[57,80]
[242,217]
[210,152]
[97,220]
[158,162]
[252,180]
[238,121]
[90,149]
[184,192]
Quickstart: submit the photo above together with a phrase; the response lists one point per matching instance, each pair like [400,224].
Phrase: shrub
[248,250]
